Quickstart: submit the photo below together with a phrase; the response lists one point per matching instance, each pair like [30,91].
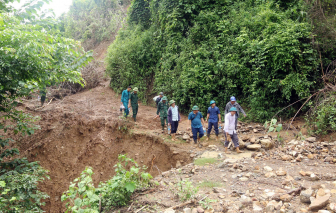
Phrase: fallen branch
[182,204]
[140,209]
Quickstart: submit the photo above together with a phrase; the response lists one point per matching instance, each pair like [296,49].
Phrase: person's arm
[203,122]
[189,118]
[129,100]
[158,110]
[169,116]
[241,109]
[219,116]
[122,95]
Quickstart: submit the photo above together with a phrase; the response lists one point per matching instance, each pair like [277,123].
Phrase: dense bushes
[196,51]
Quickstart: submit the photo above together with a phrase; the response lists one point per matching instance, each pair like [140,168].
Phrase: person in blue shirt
[196,123]
[124,99]
[213,118]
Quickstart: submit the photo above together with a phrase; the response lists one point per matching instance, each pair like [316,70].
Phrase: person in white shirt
[230,130]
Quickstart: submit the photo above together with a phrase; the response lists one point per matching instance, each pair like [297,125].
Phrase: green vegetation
[32,55]
[82,196]
[209,184]
[206,203]
[204,161]
[184,190]
[196,51]
[92,21]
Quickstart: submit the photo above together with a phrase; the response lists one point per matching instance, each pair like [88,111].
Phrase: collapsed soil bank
[66,148]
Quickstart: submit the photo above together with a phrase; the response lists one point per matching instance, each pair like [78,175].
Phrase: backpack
[156,97]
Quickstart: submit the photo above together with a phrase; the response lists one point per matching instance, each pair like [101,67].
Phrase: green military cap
[171,102]
[195,108]
[164,98]
[135,89]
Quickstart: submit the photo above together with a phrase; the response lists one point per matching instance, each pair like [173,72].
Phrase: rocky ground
[294,176]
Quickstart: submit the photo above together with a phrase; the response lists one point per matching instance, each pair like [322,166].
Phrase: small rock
[281,172]
[185,137]
[305,195]
[254,147]
[187,210]
[169,211]
[178,164]
[194,210]
[319,203]
[253,140]
[311,139]
[332,207]
[243,179]
[268,169]
[257,208]
[230,161]
[271,206]
[267,143]
[303,173]
[200,209]
[246,201]
[270,174]
[286,198]
[286,157]
[320,193]
[314,177]
[323,211]
[310,156]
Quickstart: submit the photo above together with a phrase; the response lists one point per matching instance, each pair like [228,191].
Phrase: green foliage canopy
[196,51]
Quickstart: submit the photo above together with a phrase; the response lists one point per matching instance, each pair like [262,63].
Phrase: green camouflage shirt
[134,98]
[163,109]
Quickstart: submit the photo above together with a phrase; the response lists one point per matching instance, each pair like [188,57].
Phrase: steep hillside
[195,51]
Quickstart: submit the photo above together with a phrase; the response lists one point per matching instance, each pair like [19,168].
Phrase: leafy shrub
[272,126]
[82,196]
[196,51]
[184,190]
[118,190]
[322,118]
[19,192]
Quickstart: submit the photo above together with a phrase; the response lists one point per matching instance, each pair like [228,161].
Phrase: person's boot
[217,138]
[162,129]
[238,151]
[208,137]
[195,142]
[226,151]
[173,137]
[134,119]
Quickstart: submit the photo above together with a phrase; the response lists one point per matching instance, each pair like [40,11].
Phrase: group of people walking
[169,115]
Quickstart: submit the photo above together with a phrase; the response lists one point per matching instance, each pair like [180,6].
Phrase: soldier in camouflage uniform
[133,101]
[162,109]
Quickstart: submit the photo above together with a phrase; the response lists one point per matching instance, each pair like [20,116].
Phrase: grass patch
[203,161]
[210,184]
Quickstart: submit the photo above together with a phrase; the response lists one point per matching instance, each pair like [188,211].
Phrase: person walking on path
[162,112]
[173,118]
[196,122]
[133,101]
[213,117]
[125,99]
[230,131]
[157,101]
[233,103]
